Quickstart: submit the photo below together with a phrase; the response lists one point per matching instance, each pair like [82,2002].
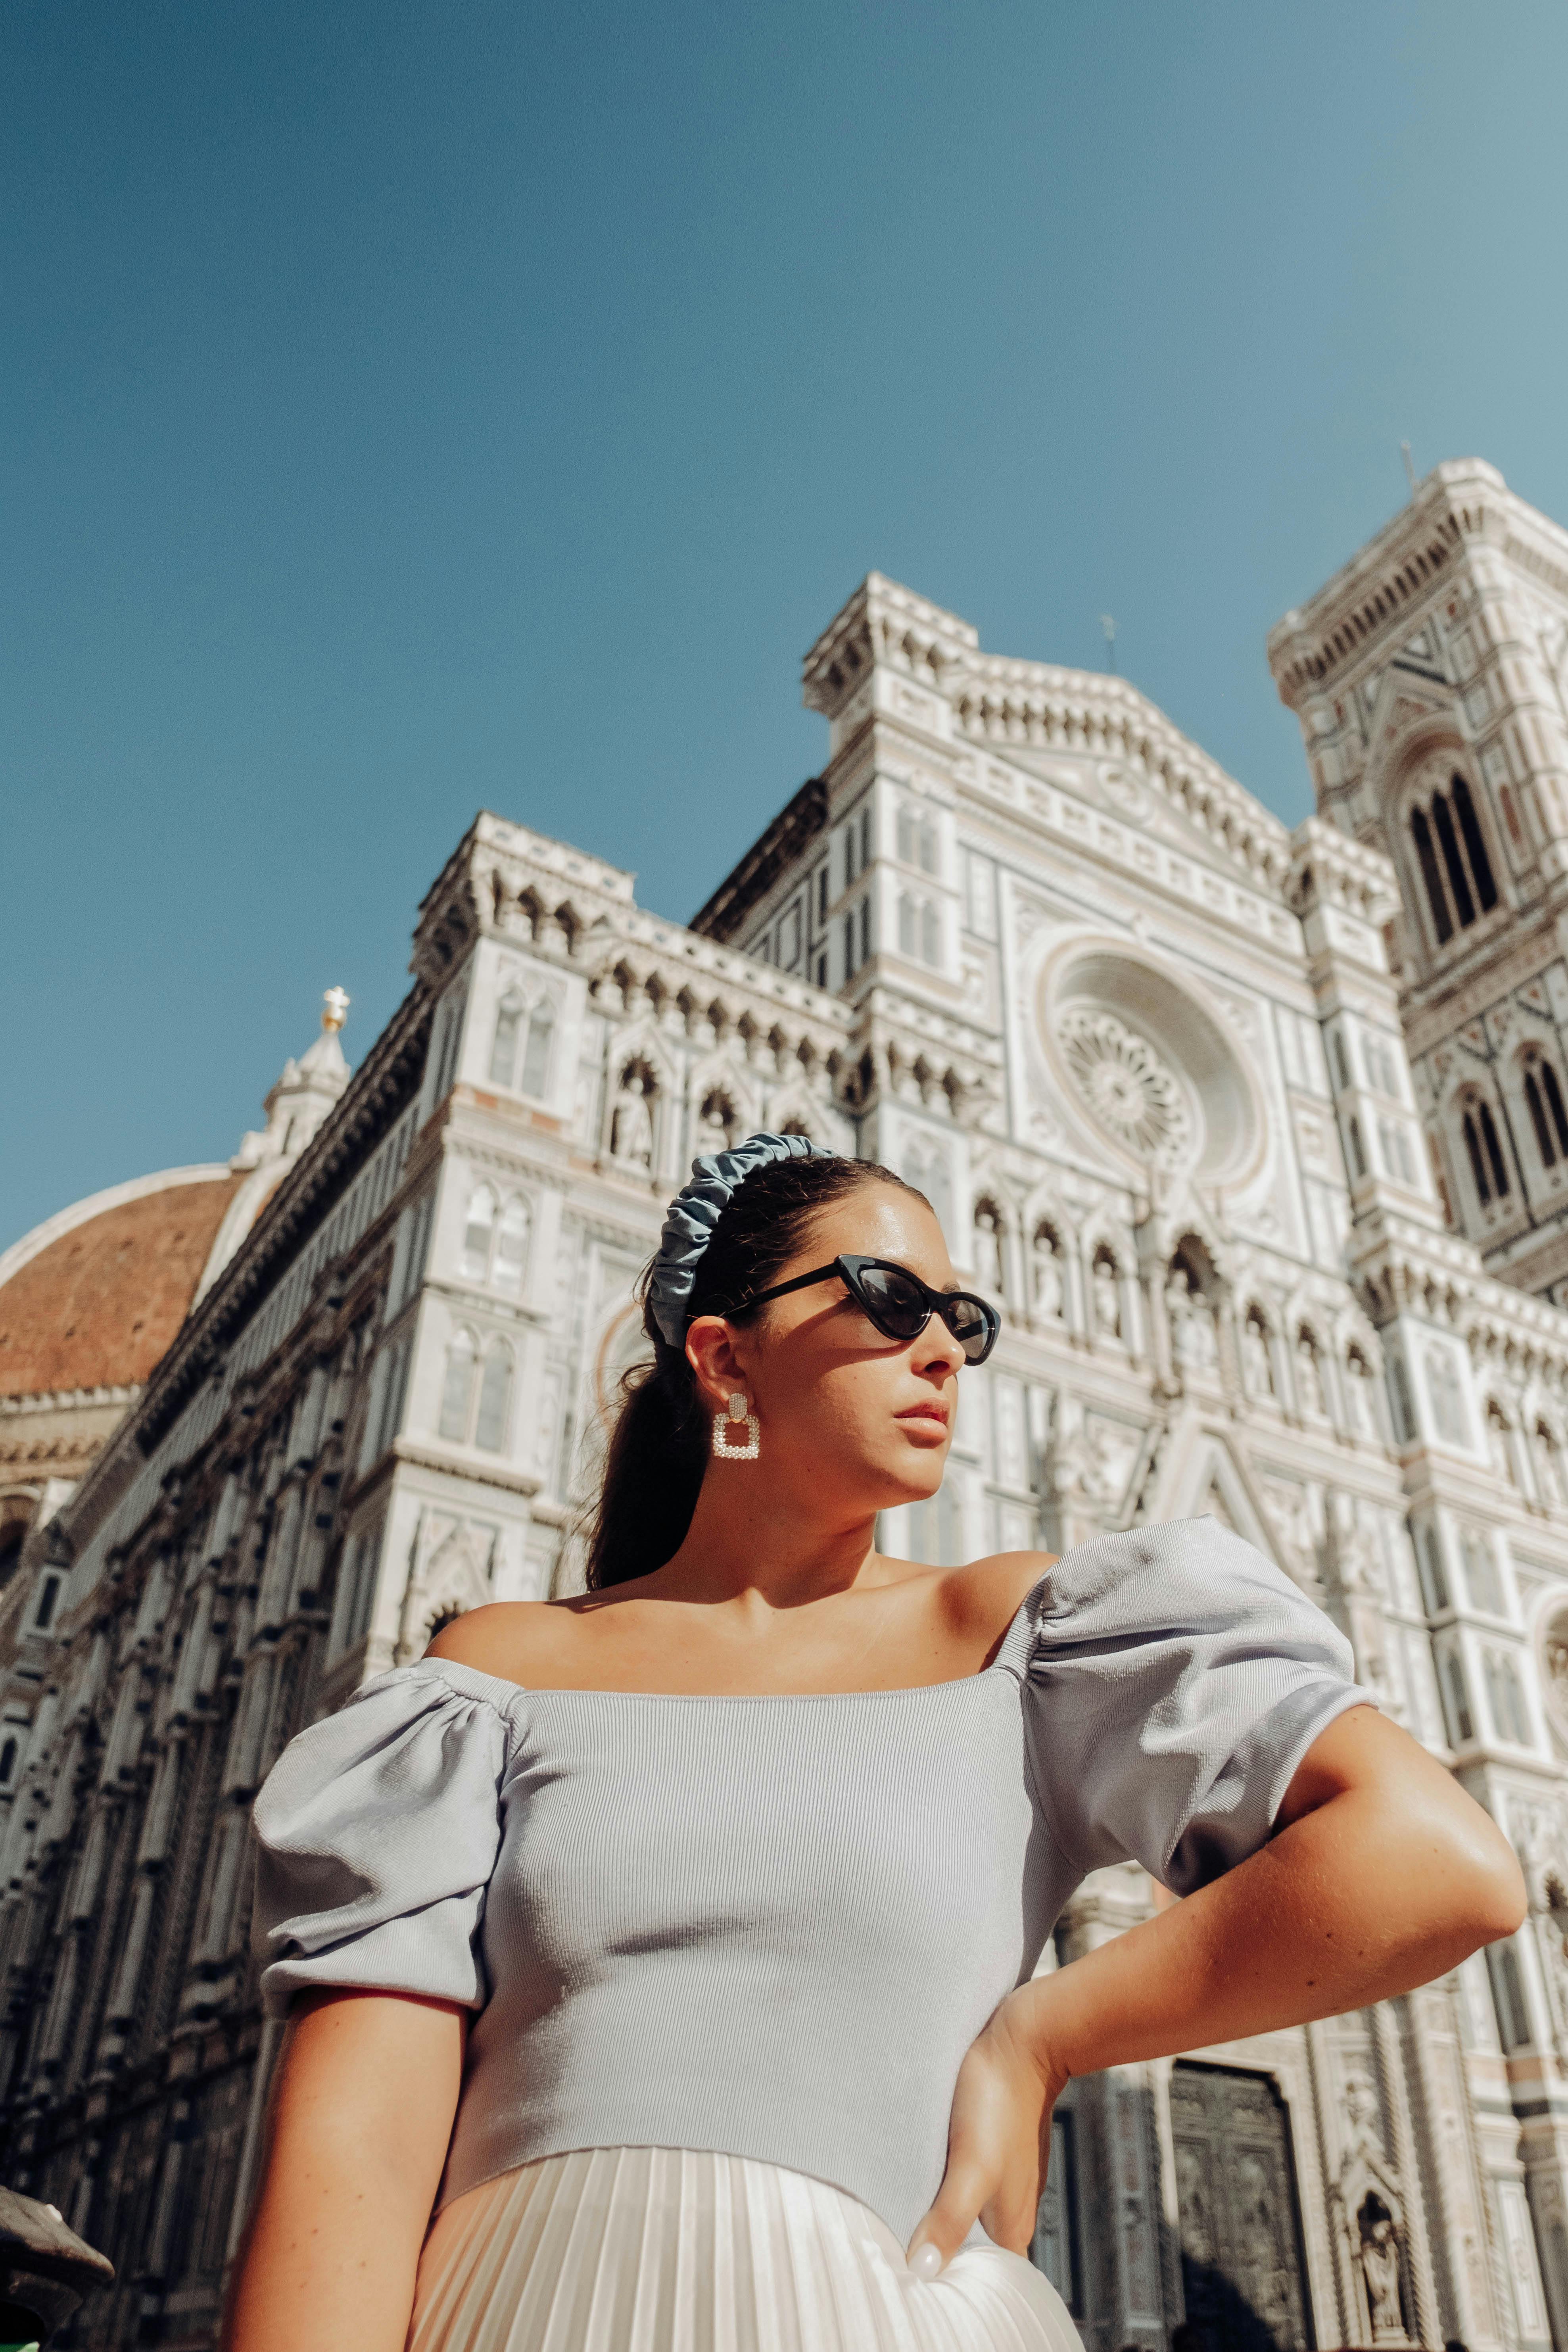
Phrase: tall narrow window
[458,1387]
[1341,1059]
[822,894]
[1544,1143]
[1510,818]
[906,836]
[1464,905]
[1508,1996]
[1495,1160]
[1358,1153]
[1430,1560]
[849,945]
[1475,847]
[535,1079]
[1461,1729]
[928,845]
[476,1261]
[1553,1094]
[1514,1709]
[1478,1166]
[906,924]
[504,1052]
[865,927]
[495,1397]
[1421,834]
[931,934]
[511,1248]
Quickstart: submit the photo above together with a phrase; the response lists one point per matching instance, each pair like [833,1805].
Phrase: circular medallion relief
[1129,1041]
[1125,1083]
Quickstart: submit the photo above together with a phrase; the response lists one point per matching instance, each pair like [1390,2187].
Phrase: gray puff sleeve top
[773,1925]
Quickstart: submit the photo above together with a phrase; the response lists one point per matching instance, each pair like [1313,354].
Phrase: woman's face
[864,1421]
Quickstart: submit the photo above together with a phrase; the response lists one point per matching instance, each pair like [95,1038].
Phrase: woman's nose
[937,1349]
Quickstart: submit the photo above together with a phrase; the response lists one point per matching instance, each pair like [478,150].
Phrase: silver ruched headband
[697,1209]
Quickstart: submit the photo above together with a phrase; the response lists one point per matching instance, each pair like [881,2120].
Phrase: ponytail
[660,1448]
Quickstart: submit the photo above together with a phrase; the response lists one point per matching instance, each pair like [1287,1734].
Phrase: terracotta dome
[94,1297]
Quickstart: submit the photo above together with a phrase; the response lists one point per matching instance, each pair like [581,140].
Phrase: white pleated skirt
[682,2250]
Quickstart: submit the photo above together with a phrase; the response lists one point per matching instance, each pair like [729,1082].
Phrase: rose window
[1127,1086]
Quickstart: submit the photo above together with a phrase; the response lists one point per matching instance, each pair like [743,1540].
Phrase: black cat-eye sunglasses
[899,1303]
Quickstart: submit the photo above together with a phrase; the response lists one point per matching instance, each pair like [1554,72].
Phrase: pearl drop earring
[737,1410]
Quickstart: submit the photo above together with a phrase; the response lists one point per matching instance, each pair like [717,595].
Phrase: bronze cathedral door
[1236,2189]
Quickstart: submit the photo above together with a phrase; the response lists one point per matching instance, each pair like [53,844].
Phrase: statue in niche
[1498,1452]
[1358,1389]
[1047,1277]
[1257,1370]
[987,1248]
[1191,1322]
[716,1128]
[1447,1403]
[1107,1297]
[1380,2269]
[1308,1377]
[631,1124]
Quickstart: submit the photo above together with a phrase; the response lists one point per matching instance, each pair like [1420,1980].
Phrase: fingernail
[925,2263]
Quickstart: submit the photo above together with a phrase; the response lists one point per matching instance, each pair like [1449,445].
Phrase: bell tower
[1430,679]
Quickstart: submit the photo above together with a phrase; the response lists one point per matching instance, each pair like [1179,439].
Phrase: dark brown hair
[659,1446]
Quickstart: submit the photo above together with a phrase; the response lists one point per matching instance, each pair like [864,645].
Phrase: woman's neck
[772,1545]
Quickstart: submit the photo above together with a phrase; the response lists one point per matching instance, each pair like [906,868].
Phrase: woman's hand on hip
[999,2140]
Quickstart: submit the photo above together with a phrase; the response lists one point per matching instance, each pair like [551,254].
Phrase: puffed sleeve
[377,1829]
[1175,1679]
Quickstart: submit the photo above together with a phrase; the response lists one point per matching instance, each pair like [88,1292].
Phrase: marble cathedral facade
[1200,1100]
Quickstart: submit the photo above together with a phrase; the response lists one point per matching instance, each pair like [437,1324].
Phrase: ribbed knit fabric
[671,2249]
[773,1925]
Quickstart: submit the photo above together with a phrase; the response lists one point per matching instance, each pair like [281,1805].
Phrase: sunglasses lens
[970,1326]
[894,1302]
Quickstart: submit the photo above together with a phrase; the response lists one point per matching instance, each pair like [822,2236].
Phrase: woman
[675,1942]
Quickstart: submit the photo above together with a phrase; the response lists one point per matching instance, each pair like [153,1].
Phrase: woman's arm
[1382,1875]
[362,2114]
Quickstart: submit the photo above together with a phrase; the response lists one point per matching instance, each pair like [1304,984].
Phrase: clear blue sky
[411,409]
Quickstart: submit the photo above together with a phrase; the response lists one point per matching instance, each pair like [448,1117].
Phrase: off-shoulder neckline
[1009,1659]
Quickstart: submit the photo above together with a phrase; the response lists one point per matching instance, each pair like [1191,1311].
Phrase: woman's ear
[711,1353]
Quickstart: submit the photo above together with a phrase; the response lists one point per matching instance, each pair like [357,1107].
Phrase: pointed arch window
[503,1051]
[511,1248]
[1451,851]
[535,1078]
[1475,847]
[1544,1098]
[458,1388]
[1458,880]
[476,1234]
[495,1398]
[531,1030]
[1483,1148]
[1436,898]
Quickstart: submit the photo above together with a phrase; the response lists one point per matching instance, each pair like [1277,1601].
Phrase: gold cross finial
[334,1008]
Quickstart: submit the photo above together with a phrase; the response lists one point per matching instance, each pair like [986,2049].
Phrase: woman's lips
[934,1414]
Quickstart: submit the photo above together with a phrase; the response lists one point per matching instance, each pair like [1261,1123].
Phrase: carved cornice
[1364,611]
[994,698]
[1439,1276]
[1333,866]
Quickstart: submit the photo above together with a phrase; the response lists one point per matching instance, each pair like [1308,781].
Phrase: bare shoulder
[520,1641]
[984,1599]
